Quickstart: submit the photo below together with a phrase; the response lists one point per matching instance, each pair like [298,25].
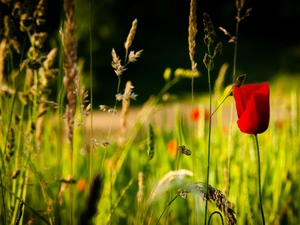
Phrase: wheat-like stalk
[70,67]
[192,33]
[130,37]
[3,53]
[125,107]
[141,185]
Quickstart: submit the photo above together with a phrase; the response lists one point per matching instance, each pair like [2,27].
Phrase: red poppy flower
[253,107]
[196,115]
[172,148]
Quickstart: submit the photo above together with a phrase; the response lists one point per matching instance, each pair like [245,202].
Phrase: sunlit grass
[140,169]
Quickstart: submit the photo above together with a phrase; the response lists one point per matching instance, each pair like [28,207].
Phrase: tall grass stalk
[209,138]
[192,31]
[91,93]
[71,74]
[208,61]
[229,148]
[239,6]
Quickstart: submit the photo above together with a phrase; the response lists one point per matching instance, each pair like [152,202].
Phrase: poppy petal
[253,107]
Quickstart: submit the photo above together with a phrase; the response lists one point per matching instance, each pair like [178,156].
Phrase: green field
[66,161]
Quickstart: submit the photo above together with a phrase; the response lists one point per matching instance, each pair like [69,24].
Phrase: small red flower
[196,115]
[253,107]
[81,185]
[172,148]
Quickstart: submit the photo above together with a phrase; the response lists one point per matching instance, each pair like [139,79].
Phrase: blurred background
[268,44]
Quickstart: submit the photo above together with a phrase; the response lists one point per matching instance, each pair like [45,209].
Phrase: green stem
[209,137]
[232,107]
[259,180]
[91,92]
[216,212]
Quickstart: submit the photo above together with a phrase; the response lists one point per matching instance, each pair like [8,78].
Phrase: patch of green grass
[39,184]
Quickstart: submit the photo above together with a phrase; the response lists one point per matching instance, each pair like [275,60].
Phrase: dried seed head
[209,33]
[192,33]
[26,22]
[131,35]
[38,39]
[225,31]
[11,142]
[40,12]
[239,4]
[213,195]
[18,9]
[183,193]
[50,58]
[232,39]
[248,12]
[134,56]
[208,61]
[8,27]
[218,49]
[206,19]
[105,143]
[15,174]
[184,150]
[116,63]
[3,54]
[34,64]
[140,194]
[108,109]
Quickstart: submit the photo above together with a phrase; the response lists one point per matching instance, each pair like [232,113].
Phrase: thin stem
[118,90]
[166,208]
[71,186]
[91,91]
[209,137]
[232,108]
[221,102]
[259,179]
[235,44]
[216,212]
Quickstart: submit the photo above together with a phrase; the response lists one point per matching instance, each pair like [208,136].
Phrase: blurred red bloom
[253,107]
[81,185]
[172,148]
[196,115]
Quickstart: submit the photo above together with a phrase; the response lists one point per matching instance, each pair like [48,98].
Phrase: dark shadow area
[266,43]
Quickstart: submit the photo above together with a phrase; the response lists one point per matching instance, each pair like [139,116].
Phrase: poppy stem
[259,179]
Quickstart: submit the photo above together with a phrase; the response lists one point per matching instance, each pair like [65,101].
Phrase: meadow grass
[57,168]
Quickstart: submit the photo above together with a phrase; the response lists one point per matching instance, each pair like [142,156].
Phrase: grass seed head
[208,61]
[131,35]
[213,195]
[192,33]
[184,150]
[150,142]
[218,49]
